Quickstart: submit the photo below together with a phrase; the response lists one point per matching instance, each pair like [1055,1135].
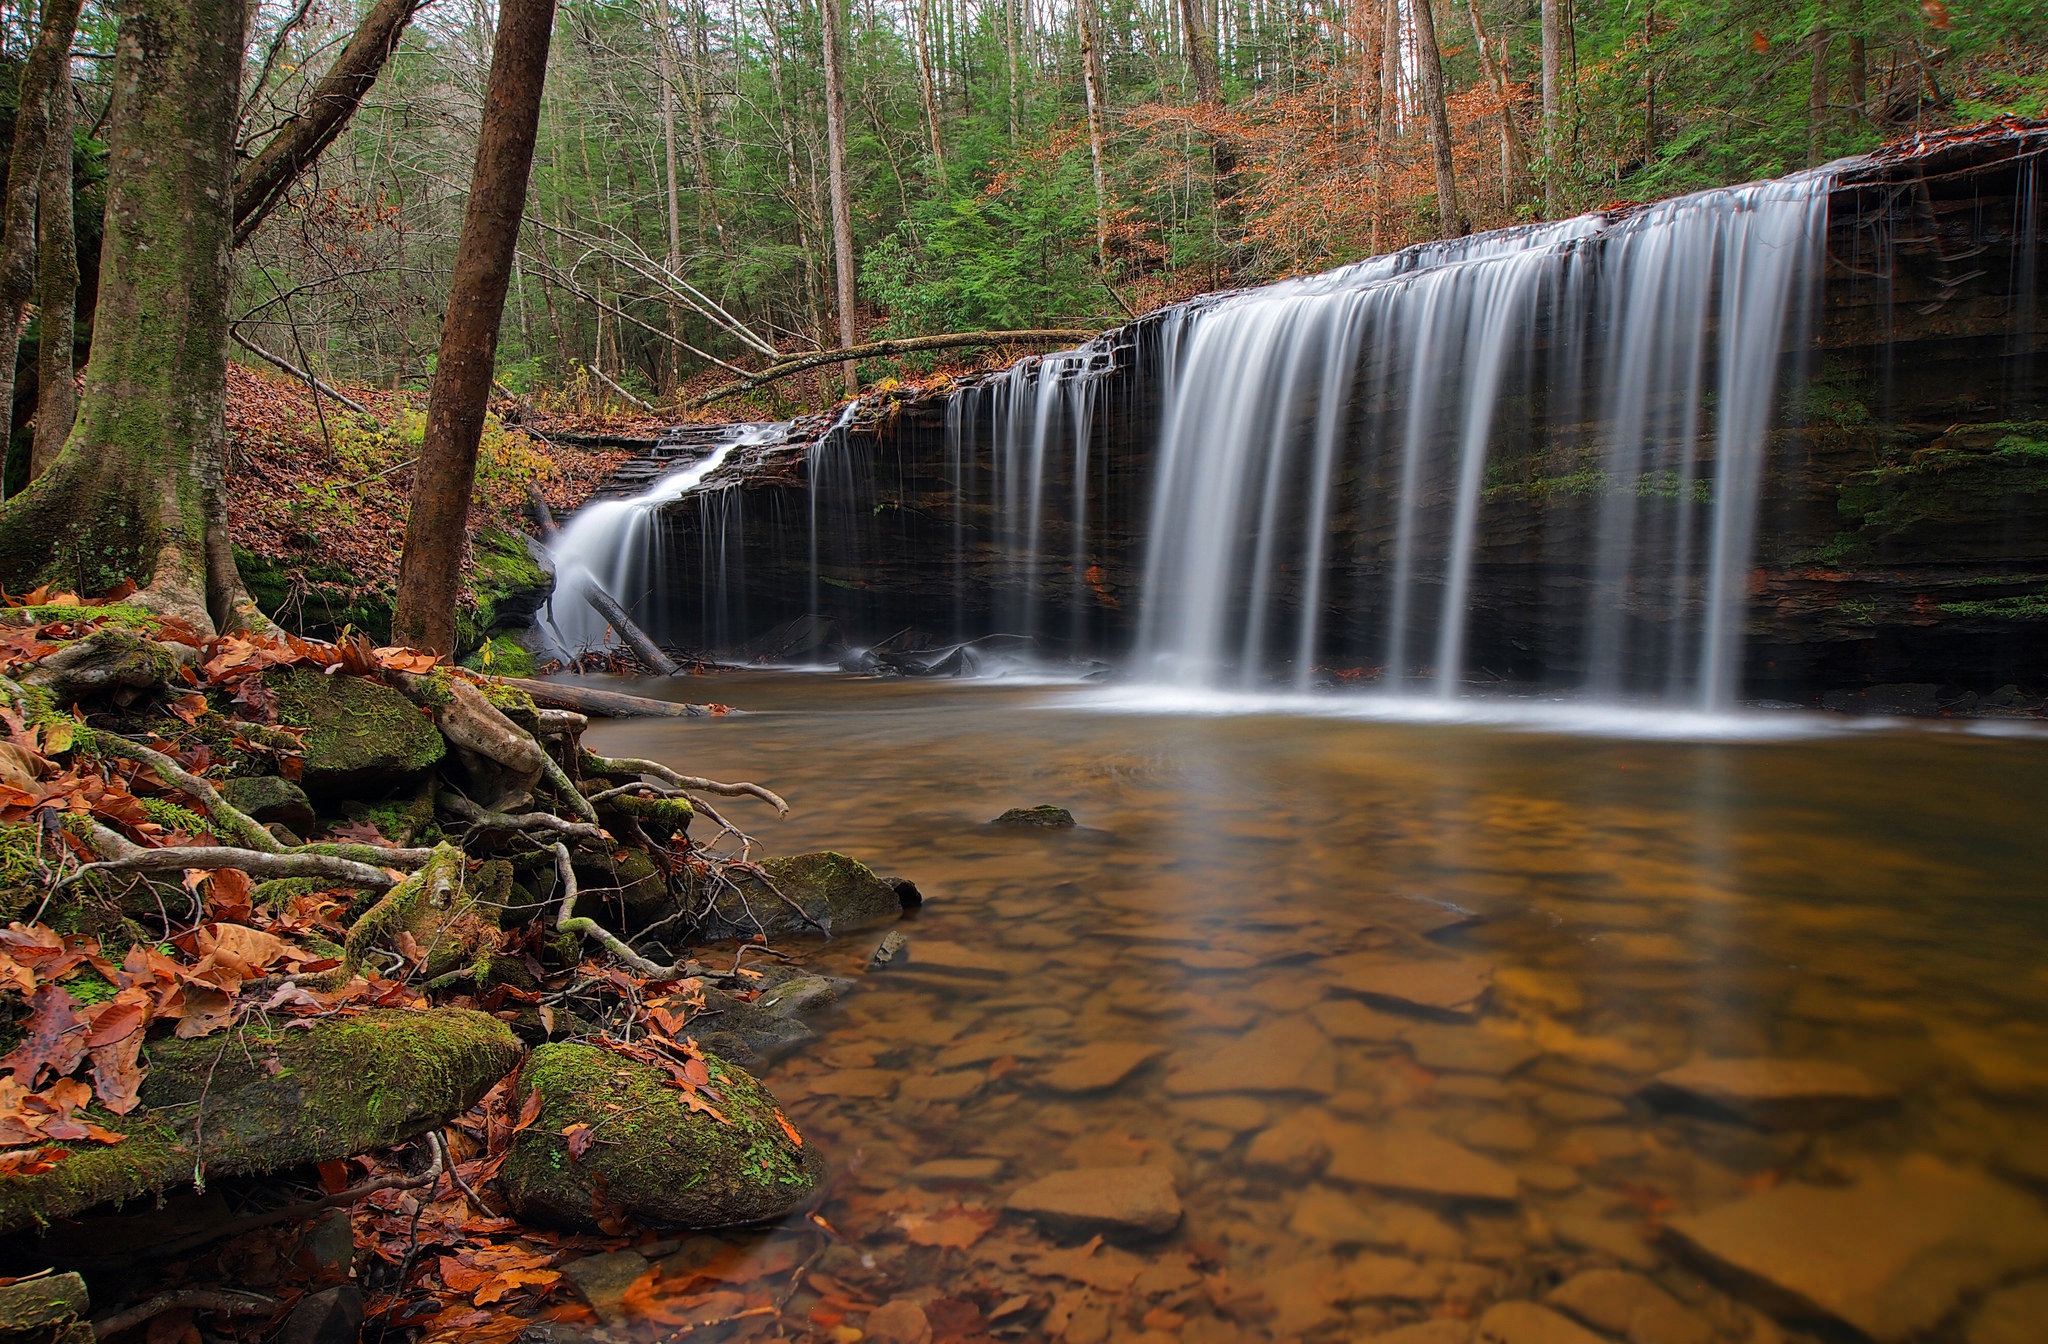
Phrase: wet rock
[891,947]
[811,894]
[1295,1148]
[655,1158]
[1350,1020]
[1772,1093]
[802,994]
[362,738]
[1500,1132]
[1617,1238]
[268,798]
[1453,985]
[331,1316]
[748,1034]
[36,1306]
[1043,817]
[943,958]
[1891,1254]
[940,1087]
[1440,1331]
[1580,1108]
[327,1248]
[2014,1315]
[1098,1066]
[111,661]
[1239,1115]
[1331,1216]
[969,1170]
[1468,1049]
[1529,1323]
[1367,1278]
[1287,1055]
[602,1280]
[1631,1306]
[1111,1200]
[899,1322]
[1418,1162]
[277,1099]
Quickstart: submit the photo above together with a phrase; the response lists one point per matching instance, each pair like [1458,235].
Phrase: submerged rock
[1130,1200]
[1099,1066]
[1419,1163]
[1632,1307]
[1891,1254]
[275,1099]
[1286,1055]
[1529,1323]
[362,737]
[1043,817]
[824,893]
[654,1158]
[1451,985]
[1772,1093]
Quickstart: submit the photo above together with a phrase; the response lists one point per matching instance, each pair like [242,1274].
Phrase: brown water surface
[1391,996]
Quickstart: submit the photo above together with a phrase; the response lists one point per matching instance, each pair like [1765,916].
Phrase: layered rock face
[1900,524]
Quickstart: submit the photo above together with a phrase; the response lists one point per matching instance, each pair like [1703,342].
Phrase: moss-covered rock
[622,889]
[265,1099]
[825,893]
[113,660]
[362,736]
[41,1309]
[652,1157]
[512,577]
[437,910]
[271,798]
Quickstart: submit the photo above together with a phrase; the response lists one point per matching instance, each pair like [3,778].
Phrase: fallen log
[879,349]
[608,607]
[602,704]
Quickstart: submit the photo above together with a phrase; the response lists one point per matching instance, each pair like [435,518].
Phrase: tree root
[633,765]
[523,821]
[195,1299]
[568,921]
[178,858]
[233,823]
[559,777]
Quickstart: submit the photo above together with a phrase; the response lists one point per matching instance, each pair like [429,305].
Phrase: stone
[602,1280]
[1368,1277]
[1418,1162]
[2015,1315]
[279,1099]
[1285,1055]
[362,738]
[1529,1323]
[898,1322]
[1615,1237]
[327,1247]
[268,798]
[751,1035]
[935,954]
[1579,1108]
[111,661]
[655,1158]
[36,1305]
[968,1170]
[1631,1306]
[801,994]
[331,1316]
[1042,817]
[1443,1330]
[891,947]
[1500,1132]
[1451,985]
[1098,1066]
[1295,1147]
[1128,1200]
[1350,1020]
[940,1087]
[1239,1115]
[1772,1093]
[1467,1049]
[1331,1216]
[1891,1254]
[824,893]
[449,919]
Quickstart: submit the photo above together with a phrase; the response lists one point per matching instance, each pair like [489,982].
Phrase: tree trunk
[928,87]
[1514,156]
[1201,54]
[430,570]
[264,179]
[835,166]
[1450,225]
[24,172]
[1091,84]
[1553,55]
[1817,99]
[1859,79]
[56,283]
[138,490]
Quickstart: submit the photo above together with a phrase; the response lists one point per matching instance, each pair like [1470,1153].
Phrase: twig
[203,1299]
[568,921]
[305,376]
[567,788]
[236,825]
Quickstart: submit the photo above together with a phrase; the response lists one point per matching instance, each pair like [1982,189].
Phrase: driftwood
[878,349]
[602,704]
[608,607]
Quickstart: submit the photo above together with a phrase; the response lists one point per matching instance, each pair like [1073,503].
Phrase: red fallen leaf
[1758,41]
[189,708]
[206,1011]
[227,896]
[580,1137]
[117,1073]
[333,1176]
[462,1278]
[1936,14]
[55,1040]
[512,1280]
[116,1020]
[31,1161]
[789,1129]
[529,1111]
[14,975]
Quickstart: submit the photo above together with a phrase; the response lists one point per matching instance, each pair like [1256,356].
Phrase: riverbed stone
[1530,1323]
[1501,1132]
[362,738]
[822,893]
[2015,1315]
[1285,1055]
[1772,1093]
[1295,1147]
[1451,985]
[1341,1219]
[1467,1049]
[1631,1306]
[1044,817]
[1890,1254]
[1137,1200]
[1442,1330]
[947,958]
[1367,1277]
[1418,1162]
[602,1280]
[969,1170]
[655,1158]
[1351,1020]
[1098,1066]
[1239,1115]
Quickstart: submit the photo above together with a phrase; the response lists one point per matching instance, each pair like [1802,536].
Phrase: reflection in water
[1251,919]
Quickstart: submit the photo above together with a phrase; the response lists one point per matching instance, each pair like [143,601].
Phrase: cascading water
[1665,327]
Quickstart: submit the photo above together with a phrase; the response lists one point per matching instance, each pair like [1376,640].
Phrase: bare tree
[842,208]
[56,283]
[1450,223]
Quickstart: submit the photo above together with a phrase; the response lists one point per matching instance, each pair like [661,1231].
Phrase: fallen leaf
[958,1227]
[789,1129]
[54,1042]
[580,1137]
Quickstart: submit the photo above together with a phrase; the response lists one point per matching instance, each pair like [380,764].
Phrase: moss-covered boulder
[622,889]
[112,661]
[824,893]
[271,798]
[652,1156]
[436,910]
[264,1099]
[362,737]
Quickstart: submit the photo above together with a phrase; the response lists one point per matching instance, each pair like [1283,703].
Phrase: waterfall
[1665,326]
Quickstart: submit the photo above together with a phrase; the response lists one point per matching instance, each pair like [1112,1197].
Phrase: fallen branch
[608,607]
[192,1299]
[524,821]
[600,375]
[633,765]
[305,376]
[179,858]
[880,349]
[232,823]
[565,786]
[568,921]
[603,704]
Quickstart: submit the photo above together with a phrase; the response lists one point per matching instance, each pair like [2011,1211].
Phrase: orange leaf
[789,1129]
[511,1279]
[958,1227]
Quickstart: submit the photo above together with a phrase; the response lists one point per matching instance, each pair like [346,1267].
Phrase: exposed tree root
[230,821]
[258,865]
[568,921]
[525,821]
[632,765]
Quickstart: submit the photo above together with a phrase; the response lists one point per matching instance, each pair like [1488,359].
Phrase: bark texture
[137,491]
[842,210]
[430,571]
[1431,60]
[56,283]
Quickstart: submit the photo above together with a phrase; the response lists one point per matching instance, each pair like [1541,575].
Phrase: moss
[2024,607]
[502,656]
[315,598]
[360,733]
[172,817]
[432,905]
[508,583]
[21,873]
[280,890]
[153,1157]
[652,1155]
[122,614]
[668,816]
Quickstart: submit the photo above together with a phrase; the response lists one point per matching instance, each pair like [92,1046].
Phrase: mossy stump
[652,1157]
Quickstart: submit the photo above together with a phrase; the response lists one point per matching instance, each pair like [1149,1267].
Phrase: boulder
[110,661]
[2011,1315]
[655,1158]
[1132,1201]
[1891,1254]
[1772,1093]
[362,737]
[276,1099]
[269,798]
[1632,1307]
[751,1035]
[1043,817]
[824,893]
